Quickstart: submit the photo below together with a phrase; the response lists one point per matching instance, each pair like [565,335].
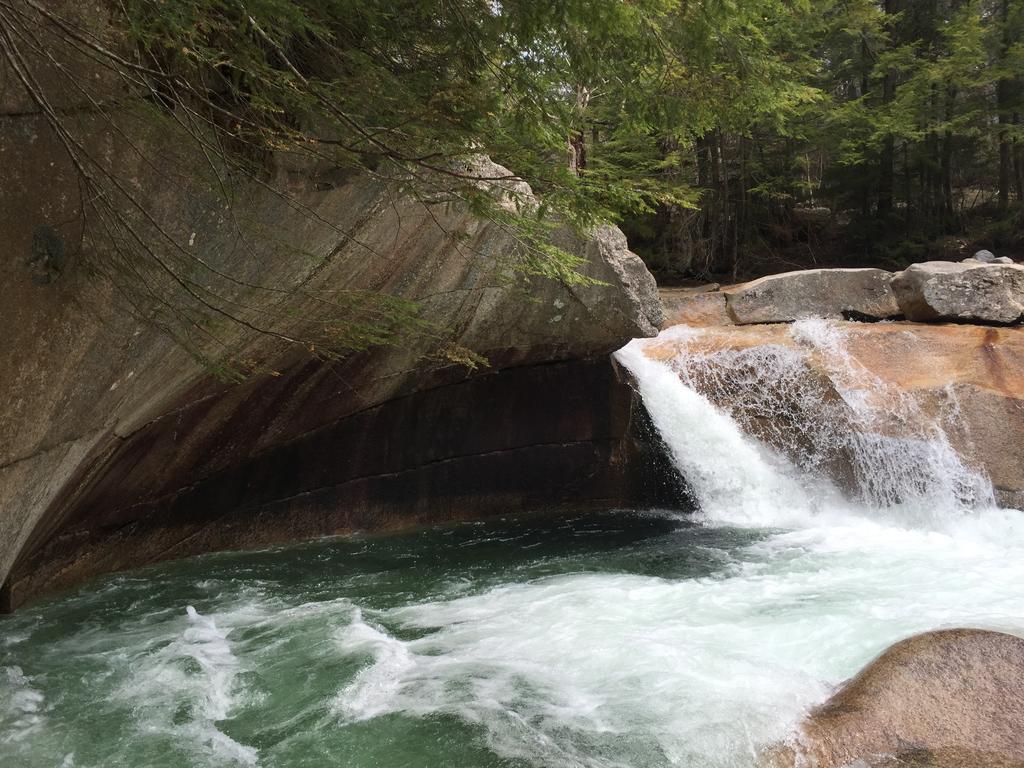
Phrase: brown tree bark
[946,210]
[1003,109]
[888,156]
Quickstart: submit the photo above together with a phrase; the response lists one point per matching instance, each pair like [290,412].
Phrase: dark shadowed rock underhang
[567,435]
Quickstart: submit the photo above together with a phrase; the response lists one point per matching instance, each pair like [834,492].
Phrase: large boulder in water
[949,699]
[965,292]
[828,293]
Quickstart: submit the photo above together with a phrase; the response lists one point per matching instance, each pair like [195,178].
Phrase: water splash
[902,456]
[183,688]
[375,687]
[652,653]
[21,706]
[768,434]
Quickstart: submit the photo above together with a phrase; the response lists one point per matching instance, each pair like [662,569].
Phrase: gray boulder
[830,293]
[947,699]
[965,291]
[987,257]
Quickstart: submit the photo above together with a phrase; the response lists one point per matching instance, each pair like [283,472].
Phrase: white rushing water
[21,714]
[184,687]
[903,464]
[630,670]
[695,647]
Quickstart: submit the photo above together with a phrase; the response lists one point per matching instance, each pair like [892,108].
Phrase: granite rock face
[961,292]
[561,435]
[946,699]
[988,291]
[108,424]
[828,293]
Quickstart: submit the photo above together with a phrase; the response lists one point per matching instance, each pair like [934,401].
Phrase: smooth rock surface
[567,435]
[963,292]
[828,293]
[945,699]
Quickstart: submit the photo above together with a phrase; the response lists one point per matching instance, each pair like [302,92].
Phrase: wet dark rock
[570,435]
[47,256]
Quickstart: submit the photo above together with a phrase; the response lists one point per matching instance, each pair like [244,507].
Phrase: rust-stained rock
[946,699]
[694,307]
[972,374]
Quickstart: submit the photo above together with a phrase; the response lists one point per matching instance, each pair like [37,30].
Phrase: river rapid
[616,638]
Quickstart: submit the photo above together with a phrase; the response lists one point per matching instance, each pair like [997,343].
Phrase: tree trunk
[947,162]
[1003,93]
[908,186]
[718,201]
[703,172]
[885,170]
[865,86]
[1018,159]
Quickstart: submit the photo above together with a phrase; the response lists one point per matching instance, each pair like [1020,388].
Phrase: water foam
[734,479]
[603,670]
[21,706]
[589,668]
[903,457]
[376,686]
[182,688]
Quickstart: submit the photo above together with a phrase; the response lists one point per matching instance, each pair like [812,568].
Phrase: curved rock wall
[108,425]
[539,437]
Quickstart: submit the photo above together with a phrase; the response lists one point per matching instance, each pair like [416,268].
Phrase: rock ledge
[971,291]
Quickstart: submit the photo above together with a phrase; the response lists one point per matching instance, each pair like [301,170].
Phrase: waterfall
[778,434]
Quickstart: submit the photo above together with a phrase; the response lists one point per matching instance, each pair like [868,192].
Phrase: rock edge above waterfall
[971,291]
